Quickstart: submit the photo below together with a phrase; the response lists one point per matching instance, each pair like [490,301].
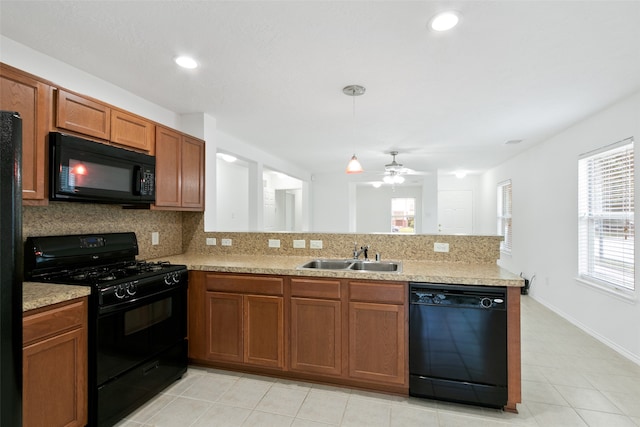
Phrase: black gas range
[137,315]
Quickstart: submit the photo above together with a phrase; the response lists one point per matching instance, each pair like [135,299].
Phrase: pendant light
[354,165]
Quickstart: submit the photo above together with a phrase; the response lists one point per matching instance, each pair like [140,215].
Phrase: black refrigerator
[11,269]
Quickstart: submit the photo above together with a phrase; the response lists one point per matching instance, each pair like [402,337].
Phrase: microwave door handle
[137,180]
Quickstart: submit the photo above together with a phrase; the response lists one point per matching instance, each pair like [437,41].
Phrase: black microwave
[88,171]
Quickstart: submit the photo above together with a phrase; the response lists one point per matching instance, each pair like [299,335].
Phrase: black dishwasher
[458,343]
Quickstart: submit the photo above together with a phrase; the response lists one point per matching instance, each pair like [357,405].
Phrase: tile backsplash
[60,218]
[184,232]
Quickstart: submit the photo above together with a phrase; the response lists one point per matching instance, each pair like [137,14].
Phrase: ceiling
[272,72]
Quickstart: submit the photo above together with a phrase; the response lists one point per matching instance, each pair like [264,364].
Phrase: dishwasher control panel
[457,296]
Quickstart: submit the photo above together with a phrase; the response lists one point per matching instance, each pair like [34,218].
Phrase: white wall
[545,238]
[26,59]
[232,187]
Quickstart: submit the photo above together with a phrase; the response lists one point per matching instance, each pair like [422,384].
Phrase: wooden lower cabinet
[316,326]
[376,342]
[241,325]
[55,366]
[351,333]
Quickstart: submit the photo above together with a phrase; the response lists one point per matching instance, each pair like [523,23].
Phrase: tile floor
[568,379]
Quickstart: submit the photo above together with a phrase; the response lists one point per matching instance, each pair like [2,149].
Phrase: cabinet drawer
[53,321]
[245,284]
[382,292]
[310,288]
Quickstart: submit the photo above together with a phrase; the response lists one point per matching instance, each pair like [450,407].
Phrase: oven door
[138,331]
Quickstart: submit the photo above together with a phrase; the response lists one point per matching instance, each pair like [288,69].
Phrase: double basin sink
[352,265]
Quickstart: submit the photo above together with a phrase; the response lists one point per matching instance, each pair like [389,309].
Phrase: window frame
[505,215]
[405,214]
[606,217]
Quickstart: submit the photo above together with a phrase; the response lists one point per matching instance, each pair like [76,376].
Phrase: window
[504,215]
[403,215]
[606,215]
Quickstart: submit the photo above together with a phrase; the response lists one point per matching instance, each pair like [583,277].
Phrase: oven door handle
[131,303]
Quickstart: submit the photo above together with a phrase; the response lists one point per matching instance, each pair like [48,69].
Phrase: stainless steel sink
[327,264]
[378,266]
[352,265]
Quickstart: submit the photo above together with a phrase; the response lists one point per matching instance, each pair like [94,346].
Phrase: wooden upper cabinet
[179,171]
[132,131]
[168,178]
[192,174]
[80,114]
[31,98]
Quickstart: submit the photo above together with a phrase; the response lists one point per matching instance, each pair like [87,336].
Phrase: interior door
[455,212]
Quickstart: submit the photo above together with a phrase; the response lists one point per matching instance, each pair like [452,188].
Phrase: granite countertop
[37,295]
[417,271]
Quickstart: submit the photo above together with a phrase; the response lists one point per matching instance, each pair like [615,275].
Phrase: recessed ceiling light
[445,21]
[186,62]
[460,174]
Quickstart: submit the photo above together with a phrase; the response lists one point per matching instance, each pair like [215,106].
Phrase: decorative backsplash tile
[471,249]
[60,218]
[183,232]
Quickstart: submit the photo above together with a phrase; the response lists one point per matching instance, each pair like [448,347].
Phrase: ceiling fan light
[354,165]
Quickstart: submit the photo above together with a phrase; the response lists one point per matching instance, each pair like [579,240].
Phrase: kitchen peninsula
[262,314]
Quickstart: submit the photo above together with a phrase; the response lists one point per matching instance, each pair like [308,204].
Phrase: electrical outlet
[440,247]
[315,244]
[225,242]
[274,243]
[211,241]
[298,244]
[155,238]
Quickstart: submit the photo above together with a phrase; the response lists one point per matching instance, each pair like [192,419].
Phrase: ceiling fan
[394,171]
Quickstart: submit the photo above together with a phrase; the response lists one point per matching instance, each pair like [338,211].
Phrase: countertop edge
[37,295]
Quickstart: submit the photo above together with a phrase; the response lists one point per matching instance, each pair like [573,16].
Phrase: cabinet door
[54,359]
[316,336]
[132,131]
[53,385]
[192,172]
[79,114]
[377,342]
[32,99]
[264,330]
[168,159]
[224,326]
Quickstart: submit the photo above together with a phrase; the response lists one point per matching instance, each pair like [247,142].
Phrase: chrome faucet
[356,252]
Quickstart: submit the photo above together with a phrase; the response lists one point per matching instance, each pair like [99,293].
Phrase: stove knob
[176,277]
[120,292]
[167,279]
[131,289]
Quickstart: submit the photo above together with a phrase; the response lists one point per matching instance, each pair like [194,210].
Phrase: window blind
[504,215]
[606,225]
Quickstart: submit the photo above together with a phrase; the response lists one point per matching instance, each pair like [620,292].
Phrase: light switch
[155,238]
